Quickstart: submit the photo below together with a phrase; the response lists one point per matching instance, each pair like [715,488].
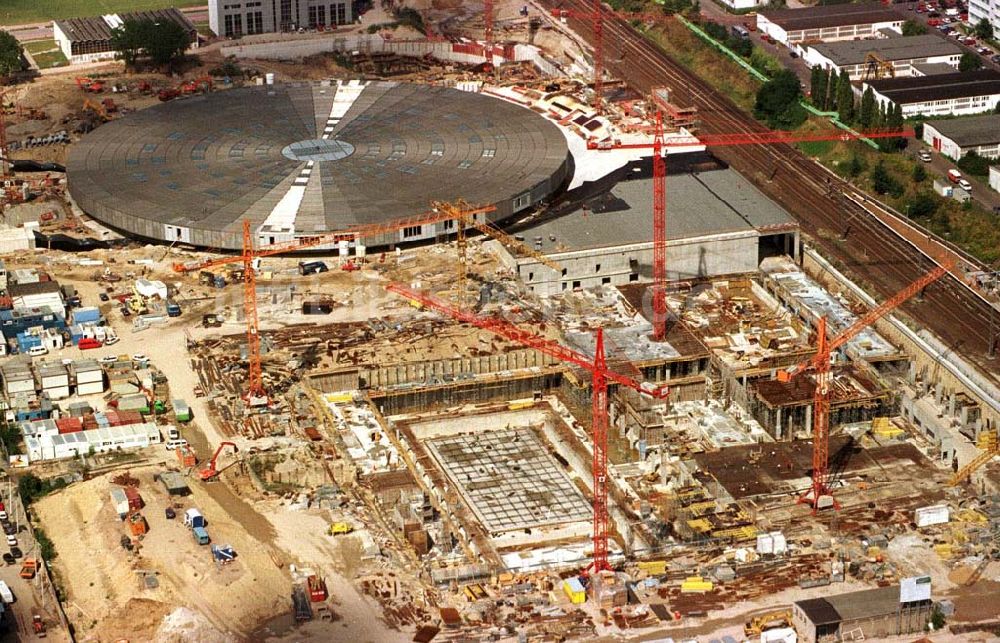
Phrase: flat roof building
[89,39]
[830,23]
[956,138]
[865,614]
[719,224]
[902,53]
[955,94]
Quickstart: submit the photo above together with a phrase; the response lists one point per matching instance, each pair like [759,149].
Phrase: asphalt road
[16,624]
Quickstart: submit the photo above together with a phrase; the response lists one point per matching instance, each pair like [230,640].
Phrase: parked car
[996,59]
[924,156]
[140,358]
[11,540]
[111,341]
[89,343]
[104,296]
[8,559]
[954,176]
[170,513]
[16,552]
[35,351]
[9,529]
[965,185]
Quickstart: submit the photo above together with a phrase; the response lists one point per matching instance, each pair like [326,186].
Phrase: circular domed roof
[304,159]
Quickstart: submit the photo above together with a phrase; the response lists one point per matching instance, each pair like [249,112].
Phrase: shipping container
[181,410]
[87,315]
[134,499]
[119,501]
[311,267]
[573,589]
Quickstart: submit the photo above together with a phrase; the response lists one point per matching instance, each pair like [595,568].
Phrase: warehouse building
[84,40]
[237,18]
[955,94]
[830,23]
[956,138]
[995,177]
[718,224]
[903,53]
[866,614]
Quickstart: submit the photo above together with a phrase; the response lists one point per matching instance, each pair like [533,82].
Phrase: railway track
[866,249]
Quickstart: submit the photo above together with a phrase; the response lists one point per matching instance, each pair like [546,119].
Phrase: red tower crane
[601,378]
[488,33]
[660,186]
[256,393]
[820,365]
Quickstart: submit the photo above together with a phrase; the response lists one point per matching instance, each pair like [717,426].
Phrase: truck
[200,535]
[311,267]
[173,310]
[193,518]
[5,593]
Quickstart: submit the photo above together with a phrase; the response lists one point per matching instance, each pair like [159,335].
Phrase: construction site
[477,337]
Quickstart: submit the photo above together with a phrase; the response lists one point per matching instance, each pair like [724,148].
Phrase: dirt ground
[102,582]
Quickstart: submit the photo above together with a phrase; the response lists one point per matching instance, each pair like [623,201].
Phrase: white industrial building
[995,177]
[742,5]
[43,441]
[903,53]
[236,18]
[829,23]
[957,137]
[85,40]
[956,94]
[717,224]
[40,294]
[988,9]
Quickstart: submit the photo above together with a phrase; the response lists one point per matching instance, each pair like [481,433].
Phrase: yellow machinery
[877,67]
[339,529]
[766,621]
[991,447]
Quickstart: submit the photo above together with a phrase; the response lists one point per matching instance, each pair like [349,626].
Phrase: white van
[173,445]
[5,593]
[35,351]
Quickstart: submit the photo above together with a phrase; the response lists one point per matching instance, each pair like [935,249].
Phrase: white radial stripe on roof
[287,209]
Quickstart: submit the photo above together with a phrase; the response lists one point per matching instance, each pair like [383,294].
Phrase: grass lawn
[16,12]
[704,60]
[50,59]
[38,46]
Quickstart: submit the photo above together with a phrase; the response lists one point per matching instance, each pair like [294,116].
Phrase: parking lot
[31,596]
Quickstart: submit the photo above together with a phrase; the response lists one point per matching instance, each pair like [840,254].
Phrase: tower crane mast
[601,378]
[819,490]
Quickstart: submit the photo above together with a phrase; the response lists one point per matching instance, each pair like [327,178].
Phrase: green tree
[885,183]
[893,123]
[163,43]
[974,164]
[778,101]
[866,114]
[970,62]
[831,91]
[984,30]
[919,174]
[10,54]
[845,98]
[922,205]
[817,86]
[855,166]
[913,28]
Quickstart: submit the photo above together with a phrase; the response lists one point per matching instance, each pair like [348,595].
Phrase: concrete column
[809,420]
[911,375]
[777,424]
[952,403]
[939,393]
